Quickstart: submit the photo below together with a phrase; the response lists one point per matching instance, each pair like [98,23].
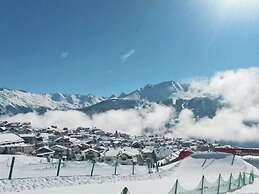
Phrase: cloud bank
[238,120]
[131,121]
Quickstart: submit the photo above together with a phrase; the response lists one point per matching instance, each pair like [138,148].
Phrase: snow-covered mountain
[158,92]
[139,98]
[168,93]
[18,101]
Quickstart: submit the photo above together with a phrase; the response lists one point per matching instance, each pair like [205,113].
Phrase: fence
[220,186]
[15,167]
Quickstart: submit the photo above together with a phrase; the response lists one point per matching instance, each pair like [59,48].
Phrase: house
[10,138]
[62,152]
[47,138]
[137,144]
[3,129]
[66,141]
[45,151]
[63,141]
[11,144]
[148,153]
[100,148]
[128,154]
[91,154]
[111,155]
[29,138]
[84,145]
[163,151]
[17,148]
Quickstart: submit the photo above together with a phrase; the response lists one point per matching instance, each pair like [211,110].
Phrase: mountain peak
[158,92]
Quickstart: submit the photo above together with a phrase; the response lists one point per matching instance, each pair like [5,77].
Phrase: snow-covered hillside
[188,172]
[17,101]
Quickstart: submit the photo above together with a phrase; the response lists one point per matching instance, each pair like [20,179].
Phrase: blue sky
[105,47]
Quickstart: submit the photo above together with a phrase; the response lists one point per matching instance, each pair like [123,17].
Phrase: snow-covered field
[189,172]
[28,166]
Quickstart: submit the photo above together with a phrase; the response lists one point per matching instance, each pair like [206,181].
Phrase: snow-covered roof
[74,140]
[90,150]
[59,147]
[27,135]
[59,138]
[46,150]
[71,139]
[17,145]
[9,138]
[46,136]
[112,152]
[130,151]
[147,150]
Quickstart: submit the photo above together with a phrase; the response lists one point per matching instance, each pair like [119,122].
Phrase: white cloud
[226,125]
[239,87]
[239,90]
[64,55]
[131,121]
[128,54]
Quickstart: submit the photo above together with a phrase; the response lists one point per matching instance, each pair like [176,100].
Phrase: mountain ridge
[168,93]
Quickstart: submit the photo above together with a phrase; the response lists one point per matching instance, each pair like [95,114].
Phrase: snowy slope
[189,173]
[249,189]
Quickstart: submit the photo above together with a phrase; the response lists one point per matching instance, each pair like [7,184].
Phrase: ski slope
[189,172]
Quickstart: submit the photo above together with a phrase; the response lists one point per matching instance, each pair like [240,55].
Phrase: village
[92,144]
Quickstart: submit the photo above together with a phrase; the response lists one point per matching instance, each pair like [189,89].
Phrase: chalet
[11,144]
[83,145]
[137,144]
[14,125]
[91,154]
[100,148]
[29,138]
[63,141]
[163,151]
[2,129]
[17,148]
[61,152]
[111,155]
[10,138]
[105,143]
[127,155]
[66,141]
[47,138]
[147,153]
[44,151]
